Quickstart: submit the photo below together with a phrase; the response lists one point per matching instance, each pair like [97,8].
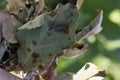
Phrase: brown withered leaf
[15,4]
[40,6]
[93,28]
[9,29]
[18,9]
[88,72]
[3,16]
[75,50]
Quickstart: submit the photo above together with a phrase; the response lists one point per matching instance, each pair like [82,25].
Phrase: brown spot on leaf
[87,66]
[63,28]
[69,38]
[35,55]
[34,42]
[50,55]
[41,67]
[79,46]
[40,60]
[71,14]
[53,13]
[90,28]
[28,49]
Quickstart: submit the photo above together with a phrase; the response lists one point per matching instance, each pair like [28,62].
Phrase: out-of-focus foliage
[104,49]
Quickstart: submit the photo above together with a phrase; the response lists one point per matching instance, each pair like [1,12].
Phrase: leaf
[75,50]
[90,72]
[37,22]
[93,28]
[39,7]
[18,9]
[46,36]
[3,16]
[15,4]
[9,29]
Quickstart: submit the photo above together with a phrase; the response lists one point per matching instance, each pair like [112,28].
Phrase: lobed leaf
[46,36]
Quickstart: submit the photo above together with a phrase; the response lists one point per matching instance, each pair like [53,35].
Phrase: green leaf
[47,35]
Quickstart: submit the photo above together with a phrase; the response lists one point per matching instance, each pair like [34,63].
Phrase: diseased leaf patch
[33,38]
[46,36]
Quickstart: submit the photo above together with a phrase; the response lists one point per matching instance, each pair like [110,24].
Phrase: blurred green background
[104,48]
